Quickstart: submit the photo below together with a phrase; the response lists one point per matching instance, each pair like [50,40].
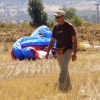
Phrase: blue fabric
[27,52]
[36,39]
[17,50]
[44,30]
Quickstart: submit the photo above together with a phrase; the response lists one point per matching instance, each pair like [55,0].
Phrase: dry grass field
[38,80]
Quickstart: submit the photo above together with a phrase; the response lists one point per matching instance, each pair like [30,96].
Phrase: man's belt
[62,50]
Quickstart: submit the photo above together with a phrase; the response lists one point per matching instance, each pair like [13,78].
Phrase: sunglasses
[58,17]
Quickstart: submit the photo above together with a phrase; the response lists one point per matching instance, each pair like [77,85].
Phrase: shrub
[2,25]
[50,23]
[76,21]
[25,25]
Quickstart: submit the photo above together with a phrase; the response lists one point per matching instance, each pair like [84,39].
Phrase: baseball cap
[59,13]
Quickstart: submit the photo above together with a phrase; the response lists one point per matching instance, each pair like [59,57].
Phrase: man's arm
[74,39]
[50,46]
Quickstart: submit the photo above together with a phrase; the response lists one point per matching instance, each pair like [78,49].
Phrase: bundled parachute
[34,46]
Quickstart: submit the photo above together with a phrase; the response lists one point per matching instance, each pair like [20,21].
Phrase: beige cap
[59,13]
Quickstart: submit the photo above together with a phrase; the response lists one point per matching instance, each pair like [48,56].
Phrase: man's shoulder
[68,23]
[56,25]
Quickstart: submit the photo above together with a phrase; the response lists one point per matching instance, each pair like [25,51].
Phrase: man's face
[59,19]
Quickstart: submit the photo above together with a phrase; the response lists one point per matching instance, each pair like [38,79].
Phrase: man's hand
[49,47]
[74,57]
[74,39]
[46,56]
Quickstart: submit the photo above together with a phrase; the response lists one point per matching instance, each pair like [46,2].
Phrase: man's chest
[62,32]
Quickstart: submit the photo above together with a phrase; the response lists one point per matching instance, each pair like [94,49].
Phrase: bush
[2,25]
[10,25]
[25,25]
[76,21]
[50,23]
[88,24]
[13,26]
[7,25]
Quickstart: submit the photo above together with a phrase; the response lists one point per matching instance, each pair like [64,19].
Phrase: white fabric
[43,53]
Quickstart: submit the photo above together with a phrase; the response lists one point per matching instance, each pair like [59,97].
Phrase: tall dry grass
[38,80]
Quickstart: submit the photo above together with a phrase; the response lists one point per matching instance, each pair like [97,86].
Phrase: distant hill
[58,2]
[16,10]
[49,2]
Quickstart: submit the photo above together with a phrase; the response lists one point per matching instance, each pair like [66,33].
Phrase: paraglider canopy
[27,47]
[44,31]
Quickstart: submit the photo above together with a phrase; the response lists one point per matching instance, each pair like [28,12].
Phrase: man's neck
[62,22]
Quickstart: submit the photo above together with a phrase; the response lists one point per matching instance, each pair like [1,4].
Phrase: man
[65,35]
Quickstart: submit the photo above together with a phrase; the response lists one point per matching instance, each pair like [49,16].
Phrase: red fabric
[36,47]
[12,55]
[34,51]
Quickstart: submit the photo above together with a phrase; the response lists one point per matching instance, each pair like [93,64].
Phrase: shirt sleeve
[53,32]
[72,31]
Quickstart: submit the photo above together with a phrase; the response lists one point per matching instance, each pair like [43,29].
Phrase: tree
[69,12]
[36,12]
[70,15]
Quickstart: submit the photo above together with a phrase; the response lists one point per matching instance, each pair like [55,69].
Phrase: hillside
[58,2]
[16,10]
[52,2]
